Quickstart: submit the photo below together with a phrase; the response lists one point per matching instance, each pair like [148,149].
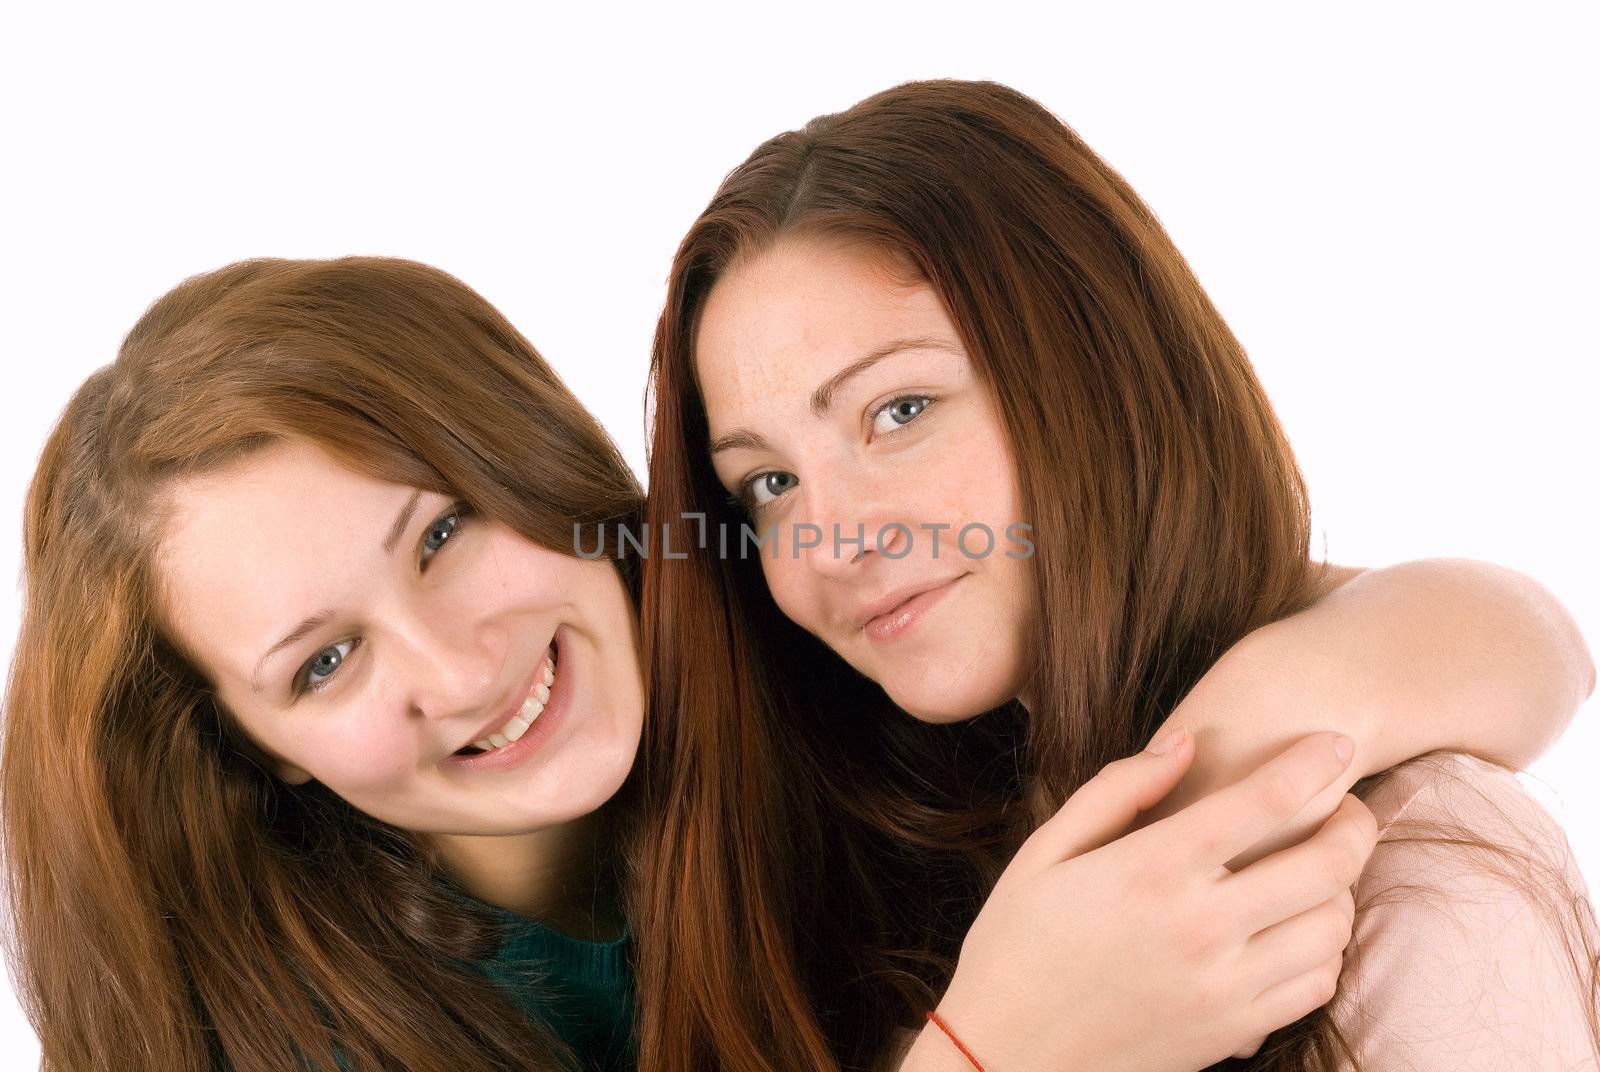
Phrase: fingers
[1296,879]
[1219,827]
[1288,1001]
[1104,806]
[1297,946]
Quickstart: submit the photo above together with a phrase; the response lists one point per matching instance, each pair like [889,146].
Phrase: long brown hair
[175,904]
[808,837]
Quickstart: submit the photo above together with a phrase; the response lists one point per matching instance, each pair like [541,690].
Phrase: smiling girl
[937,312]
[316,726]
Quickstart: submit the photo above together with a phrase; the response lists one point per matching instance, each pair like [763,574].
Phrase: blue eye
[321,668]
[443,528]
[316,674]
[772,484]
[899,413]
[764,488]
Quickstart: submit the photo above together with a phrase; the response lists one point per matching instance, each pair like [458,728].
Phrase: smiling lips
[531,709]
[897,612]
[527,713]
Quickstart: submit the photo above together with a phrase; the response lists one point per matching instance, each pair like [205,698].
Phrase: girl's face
[366,634]
[840,400]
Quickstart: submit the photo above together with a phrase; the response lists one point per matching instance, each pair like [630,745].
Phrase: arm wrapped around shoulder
[1475,944]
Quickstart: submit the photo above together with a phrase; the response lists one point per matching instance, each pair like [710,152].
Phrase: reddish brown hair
[810,840]
[174,903]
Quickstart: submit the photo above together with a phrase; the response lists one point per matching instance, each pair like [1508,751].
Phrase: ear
[290,773]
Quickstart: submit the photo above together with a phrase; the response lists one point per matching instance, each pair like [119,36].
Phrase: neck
[558,876]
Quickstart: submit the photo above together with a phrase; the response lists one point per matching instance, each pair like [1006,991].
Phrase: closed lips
[893,602]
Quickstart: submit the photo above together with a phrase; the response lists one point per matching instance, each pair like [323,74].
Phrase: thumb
[1104,806]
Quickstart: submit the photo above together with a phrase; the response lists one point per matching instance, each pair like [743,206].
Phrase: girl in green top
[344,713]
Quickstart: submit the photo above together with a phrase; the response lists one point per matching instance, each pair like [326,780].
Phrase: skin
[437,637]
[775,327]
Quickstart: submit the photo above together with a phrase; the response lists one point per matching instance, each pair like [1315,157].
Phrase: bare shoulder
[1331,576]
[1475,941]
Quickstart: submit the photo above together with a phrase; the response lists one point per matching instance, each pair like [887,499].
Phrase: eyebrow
[822,397]
[323,617]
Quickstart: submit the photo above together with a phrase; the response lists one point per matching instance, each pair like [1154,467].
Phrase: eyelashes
[307,680]
[887,419]
[900,411]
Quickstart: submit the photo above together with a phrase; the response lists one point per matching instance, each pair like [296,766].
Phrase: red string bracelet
[962,1046]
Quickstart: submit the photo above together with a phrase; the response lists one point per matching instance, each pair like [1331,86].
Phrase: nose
[850,524]
[448,664]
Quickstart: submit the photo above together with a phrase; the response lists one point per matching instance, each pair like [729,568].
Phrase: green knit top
[582,989]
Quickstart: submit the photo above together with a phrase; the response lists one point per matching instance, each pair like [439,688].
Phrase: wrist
[932,1051]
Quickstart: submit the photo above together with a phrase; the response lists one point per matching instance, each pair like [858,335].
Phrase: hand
[1141,951]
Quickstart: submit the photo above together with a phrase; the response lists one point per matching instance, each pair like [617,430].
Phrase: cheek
[1014,583]
[786,579]
[1006,646]
[352,755]
[511,572]
[984,465]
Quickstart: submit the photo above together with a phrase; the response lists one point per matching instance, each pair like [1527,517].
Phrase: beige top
[1467,972]
[1462,972]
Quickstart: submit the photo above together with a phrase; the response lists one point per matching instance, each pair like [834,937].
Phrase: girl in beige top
[938,314]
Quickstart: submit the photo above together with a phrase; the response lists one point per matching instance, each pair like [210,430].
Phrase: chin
[604,777]
[546,815]
[939,708]
[569,792]
[926,701]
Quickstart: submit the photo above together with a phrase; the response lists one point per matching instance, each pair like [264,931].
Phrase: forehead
[779,322]
[250,550]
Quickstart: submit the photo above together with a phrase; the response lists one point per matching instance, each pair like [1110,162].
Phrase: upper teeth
[532,708]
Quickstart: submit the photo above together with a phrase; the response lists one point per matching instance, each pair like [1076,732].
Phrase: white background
[1393,205]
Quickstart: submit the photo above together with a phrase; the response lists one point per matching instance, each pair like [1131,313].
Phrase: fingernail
[1343,747]
[1168,741]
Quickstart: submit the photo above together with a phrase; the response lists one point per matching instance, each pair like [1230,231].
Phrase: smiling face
[838,395]
[430,628]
